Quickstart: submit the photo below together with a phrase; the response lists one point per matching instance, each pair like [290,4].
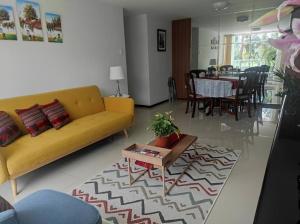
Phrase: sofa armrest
[4,175]
[118,104]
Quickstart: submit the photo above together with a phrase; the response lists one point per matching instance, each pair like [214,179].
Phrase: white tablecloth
[214,88]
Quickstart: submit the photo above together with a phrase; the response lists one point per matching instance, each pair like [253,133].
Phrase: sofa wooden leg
[125,133]
[13,183]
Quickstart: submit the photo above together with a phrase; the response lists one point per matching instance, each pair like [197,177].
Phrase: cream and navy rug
[189,202]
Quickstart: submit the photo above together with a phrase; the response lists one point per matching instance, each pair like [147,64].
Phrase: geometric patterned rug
[189,202]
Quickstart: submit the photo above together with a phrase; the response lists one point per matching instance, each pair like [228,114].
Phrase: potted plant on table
[165,130]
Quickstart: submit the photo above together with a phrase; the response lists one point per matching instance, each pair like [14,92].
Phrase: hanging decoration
[289,42]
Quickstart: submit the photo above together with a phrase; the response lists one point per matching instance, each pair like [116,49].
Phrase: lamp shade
[116,73]
[212,61]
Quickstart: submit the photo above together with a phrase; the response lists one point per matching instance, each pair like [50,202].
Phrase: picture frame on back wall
[161,40]
[30,20]
[7,23]
[54,28]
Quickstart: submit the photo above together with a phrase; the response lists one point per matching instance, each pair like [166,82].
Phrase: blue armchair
[50,207]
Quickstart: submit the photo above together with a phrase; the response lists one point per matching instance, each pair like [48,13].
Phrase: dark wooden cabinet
[181,53]
[279,200]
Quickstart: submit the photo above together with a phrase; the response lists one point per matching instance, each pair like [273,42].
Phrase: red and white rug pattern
[189,202]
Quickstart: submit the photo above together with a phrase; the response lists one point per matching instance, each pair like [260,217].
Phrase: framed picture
[161,40]
[7,23]
[30,20]
[54,29]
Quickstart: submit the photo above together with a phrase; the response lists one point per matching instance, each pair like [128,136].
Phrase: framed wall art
[161,40]
[30,20]
[54,29]
[7,23]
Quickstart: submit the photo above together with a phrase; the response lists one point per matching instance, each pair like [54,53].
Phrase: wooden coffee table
[162,161]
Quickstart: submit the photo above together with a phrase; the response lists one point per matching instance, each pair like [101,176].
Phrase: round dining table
[216,87]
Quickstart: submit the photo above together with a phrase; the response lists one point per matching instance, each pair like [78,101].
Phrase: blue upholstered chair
[50,207]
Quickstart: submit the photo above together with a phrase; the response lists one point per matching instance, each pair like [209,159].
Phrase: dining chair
[199,73]
[262,81]
[226,68]
[172,89]
[255,72]
[211,71]
[193,98]
[243,94]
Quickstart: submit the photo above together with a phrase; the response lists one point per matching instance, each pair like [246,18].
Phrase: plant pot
[173,139]
[167,141]
[162,142]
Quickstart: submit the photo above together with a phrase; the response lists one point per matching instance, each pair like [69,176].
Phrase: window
[249,50]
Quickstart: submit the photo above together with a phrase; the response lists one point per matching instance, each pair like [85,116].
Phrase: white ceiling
[176,9]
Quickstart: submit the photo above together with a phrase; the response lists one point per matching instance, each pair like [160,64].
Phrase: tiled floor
[238,200]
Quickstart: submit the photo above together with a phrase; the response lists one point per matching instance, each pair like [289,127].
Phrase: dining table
[217,87]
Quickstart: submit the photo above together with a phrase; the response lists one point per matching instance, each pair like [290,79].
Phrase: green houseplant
[164,129]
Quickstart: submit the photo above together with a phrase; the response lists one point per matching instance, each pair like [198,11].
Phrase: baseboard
[150,106]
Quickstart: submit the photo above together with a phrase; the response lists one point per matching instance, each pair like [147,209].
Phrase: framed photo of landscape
[30,20]
[161,40]
[7,23]
[54,29]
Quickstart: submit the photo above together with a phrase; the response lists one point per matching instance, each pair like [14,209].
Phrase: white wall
[205,51]
[160,63]
[93,40]
[136,33]
[148,69]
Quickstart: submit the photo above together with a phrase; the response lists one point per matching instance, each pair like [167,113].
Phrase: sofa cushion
[9,131]
[54,144]
[56,114]
[51,207]
[34,120]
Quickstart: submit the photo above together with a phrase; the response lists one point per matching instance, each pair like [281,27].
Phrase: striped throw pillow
[9,131]
[56,114]
[34,120]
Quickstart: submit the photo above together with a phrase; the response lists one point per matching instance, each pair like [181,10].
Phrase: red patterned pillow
[9,131]
[56,114]
[34,120]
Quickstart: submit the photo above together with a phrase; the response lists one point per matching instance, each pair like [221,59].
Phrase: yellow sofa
[93,118]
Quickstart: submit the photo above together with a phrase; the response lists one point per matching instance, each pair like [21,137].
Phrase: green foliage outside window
[249,50]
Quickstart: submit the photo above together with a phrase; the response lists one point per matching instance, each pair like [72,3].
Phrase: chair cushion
[51,207]
[34,120]
[9,131]
[56,114]
[9,217]
[54,144]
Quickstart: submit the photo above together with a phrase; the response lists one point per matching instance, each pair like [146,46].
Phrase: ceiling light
[221,5]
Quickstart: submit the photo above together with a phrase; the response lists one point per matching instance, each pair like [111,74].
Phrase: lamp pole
[118,94]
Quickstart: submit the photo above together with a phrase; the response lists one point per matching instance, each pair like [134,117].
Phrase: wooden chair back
[226,68]
[211,70]
[246,85]
[190,85]
[199,73]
